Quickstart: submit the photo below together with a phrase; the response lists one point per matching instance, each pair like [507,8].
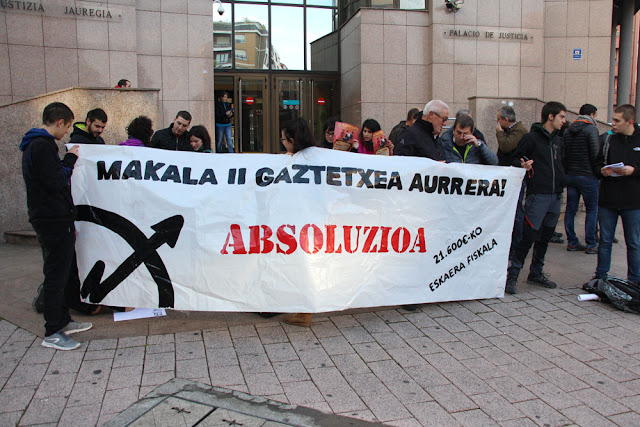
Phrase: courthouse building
[357,59]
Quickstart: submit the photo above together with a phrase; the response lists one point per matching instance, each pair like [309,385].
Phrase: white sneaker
[74,327]
[60,341]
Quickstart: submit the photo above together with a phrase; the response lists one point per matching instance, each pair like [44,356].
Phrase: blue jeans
[631,226]
[587,186]
[226,132]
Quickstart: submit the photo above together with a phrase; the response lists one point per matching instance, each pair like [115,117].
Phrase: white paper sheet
[138,313]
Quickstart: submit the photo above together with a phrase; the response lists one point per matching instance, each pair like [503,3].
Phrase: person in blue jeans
[619,190]
[580,161]
[224,113]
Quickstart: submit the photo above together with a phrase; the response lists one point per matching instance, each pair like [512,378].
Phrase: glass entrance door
[252,114]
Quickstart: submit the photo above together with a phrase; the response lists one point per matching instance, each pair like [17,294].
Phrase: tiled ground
[536,358]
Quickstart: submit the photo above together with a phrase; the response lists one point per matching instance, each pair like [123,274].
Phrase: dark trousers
[58,250]
[541,216]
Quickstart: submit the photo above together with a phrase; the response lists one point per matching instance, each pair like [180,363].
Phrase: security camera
[220,8]
[453,5]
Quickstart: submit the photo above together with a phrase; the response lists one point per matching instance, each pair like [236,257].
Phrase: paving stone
[391,316]
[468,383]
[451,398]
[406,330]
[434,310]
[541,413]
[190,350]
[302,392]
[438,334]
[495,356]
[543,348]
[160,348]
[356,335]
[132,342]
[452,324]
[336,391]
[225,356]
[105,418]
[431,414]
[26,375]
[16,398]
[271,335]
[506,344]
[526,322]
[385,408]
[344,321]
[533,360]
[427,376]
[71,415]
[10,418]
[15,349]
[47,410]
[585,416]
[349,364]
[520,422]
[280,352]
[155,379]
[510,389]
[315,358]
[612,370]
[129,356]
[188,336]
[522,374]
[226,376]
[444,363]
[573,366]
[389,340]
[496,406]
[94,370]
[482,368]
[243,331]
[626,419]
[303,340]
[100,354]
[459,350]
[475,417]
[472,339]
[535,313]
[59,385]
[361,415]
[563,379]
[159,362]
[553,396]
[406,422]
[37,354]
[66,362]
[325,329]
[424,345]
[366,384]
[86,393]
[579,352]
[496,320]
[419,319]
[104,344]
[336,345]
[192,369]
[464,314]
[255,364]
[20,334]
[160,339]
[116,401]
[372,323]
[484,329]
[407,357]
[586,340]
[389,371]
[598,401]
[408,391]
[508,309]
[217,339]
[8,364]
[290,371]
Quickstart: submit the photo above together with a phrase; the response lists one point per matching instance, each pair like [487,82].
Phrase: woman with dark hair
[200,140]
[328,133]
[295,136]
[365,143]
[139,131]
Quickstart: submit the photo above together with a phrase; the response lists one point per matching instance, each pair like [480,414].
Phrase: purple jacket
[133,142]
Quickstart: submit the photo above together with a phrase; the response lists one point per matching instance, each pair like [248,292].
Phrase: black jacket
[621,192]
[47,179]
[80,136]
[397,131]
[581,147]
[545,149]
[419,141]
[166,140]
[221,112]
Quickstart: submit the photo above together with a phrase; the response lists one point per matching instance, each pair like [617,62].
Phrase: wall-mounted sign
[487,33]
[577,54]
[63,9]
[321,101]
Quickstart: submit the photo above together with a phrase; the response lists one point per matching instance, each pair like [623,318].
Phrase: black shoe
[267,315]
[411,307]
[578,247]
[38,301]
[556,238]
[541,280]
[510,287]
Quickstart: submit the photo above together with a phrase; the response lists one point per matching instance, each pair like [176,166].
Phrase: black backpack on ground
[622,294]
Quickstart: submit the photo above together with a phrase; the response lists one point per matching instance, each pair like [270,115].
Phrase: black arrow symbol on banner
[144,251]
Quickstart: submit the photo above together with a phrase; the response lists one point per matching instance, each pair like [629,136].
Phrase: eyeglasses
[329,132]
[444,119]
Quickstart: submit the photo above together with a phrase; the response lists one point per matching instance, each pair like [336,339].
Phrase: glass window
[222,37]
[287,38]
[331,3]
[412,4]
[240,39]
[252,23]
[322,47]
[287,1]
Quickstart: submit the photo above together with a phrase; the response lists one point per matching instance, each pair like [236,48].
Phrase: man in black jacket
[619,191]
[580,161]
[421,139]
[396,133]
[175,136]
[52,212]
[539,152]
[89,132]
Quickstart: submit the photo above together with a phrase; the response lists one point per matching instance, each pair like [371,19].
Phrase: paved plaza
[536,358]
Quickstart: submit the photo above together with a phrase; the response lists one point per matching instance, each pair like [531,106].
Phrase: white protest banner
[318,231]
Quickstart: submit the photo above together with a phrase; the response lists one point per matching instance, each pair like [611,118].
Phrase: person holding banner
[295,136]
[462,146]
[539,152]
[52,214]
[175,136]
[328,132]
[421,139]
[200,140]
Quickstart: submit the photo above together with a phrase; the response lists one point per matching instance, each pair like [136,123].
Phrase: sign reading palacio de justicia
[474,33]
[61,8]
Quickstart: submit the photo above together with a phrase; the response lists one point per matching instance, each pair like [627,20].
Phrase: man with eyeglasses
[421,139]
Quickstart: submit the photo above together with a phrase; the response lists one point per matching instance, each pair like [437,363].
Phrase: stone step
[27,237]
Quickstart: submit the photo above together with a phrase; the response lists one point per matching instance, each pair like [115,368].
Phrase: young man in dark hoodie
[540,153]
[175,137]
[52,213]
[89,132]
[619,190]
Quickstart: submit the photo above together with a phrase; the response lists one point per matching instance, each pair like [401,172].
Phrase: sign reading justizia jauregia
[63,9]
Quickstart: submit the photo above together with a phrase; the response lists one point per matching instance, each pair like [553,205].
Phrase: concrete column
[612,68]
[626,51]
